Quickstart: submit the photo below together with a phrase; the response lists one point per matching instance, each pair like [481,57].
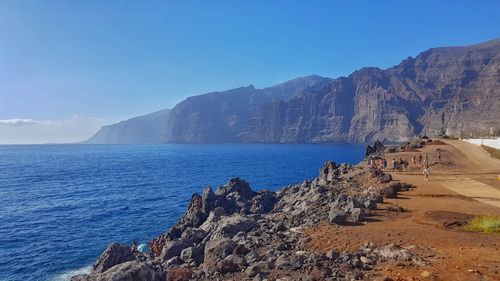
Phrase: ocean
[61,205]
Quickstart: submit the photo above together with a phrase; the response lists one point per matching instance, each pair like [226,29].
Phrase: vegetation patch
[492,151]
[486,224]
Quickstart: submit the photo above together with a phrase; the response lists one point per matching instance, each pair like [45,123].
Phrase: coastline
[327,228]
[236,232]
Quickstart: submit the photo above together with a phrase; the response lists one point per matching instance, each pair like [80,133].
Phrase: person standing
[426,173]
[420,159]
[439,156]
[414,160]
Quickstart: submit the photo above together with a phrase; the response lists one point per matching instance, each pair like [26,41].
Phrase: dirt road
[462,184]
[482,167]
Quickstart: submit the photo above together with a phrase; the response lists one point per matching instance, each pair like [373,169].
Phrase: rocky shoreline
[235,232]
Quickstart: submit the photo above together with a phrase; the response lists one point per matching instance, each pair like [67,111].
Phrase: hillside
[148,128]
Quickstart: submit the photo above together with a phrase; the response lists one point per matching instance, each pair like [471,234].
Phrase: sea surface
[61,205]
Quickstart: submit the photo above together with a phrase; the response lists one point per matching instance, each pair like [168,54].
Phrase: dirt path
[465,185]
[482,161]
[462,184]
[472,188]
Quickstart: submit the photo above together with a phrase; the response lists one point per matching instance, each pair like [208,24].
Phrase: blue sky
[103,61]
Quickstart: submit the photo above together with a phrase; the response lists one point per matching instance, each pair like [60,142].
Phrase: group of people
[377,164]
[422,161]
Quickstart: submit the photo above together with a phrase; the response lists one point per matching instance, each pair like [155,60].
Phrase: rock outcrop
[238,233]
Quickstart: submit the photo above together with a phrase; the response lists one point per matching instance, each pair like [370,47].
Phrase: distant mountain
[222,116]
[454,90]
[148,128]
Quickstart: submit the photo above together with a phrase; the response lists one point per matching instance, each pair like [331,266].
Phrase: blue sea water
[61,205]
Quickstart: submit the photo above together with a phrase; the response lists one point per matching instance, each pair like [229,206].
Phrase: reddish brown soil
[432,224]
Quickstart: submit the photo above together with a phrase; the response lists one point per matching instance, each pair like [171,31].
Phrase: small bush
[486,224]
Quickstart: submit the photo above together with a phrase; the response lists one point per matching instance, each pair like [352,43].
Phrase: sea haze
[61,205]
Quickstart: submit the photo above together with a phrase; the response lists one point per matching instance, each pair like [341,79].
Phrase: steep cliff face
[148,128]
[454,90]
[459,87]
[322,113]
[221,116]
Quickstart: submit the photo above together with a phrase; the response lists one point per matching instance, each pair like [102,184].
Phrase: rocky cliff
[450,90]
[148,128]
[236,233]
[222,116]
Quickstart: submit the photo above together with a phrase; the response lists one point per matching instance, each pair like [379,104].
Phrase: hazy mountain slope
[148,128]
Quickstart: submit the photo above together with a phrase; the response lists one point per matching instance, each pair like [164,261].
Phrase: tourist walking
[414,160]
[439,156]
[401,164]
[426,173]
[420,159]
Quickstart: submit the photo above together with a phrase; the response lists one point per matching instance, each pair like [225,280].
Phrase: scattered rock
[217,250]
[377,147]
[113,255]
[384,177]
[129,270]
[337,216]
[357,215]
[174,248]
[192,253]
[235,231]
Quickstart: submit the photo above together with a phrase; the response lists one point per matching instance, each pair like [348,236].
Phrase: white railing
[494,142]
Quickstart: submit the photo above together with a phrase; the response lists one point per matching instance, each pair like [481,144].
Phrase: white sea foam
[65,276]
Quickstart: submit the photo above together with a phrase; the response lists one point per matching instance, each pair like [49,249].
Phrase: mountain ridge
[452,90]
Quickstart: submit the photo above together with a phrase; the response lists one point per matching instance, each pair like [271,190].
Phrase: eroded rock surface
[238,233]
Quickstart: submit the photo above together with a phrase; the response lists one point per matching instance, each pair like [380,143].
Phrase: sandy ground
[462,184]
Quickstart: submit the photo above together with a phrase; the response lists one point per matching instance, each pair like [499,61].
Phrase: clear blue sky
[110,60]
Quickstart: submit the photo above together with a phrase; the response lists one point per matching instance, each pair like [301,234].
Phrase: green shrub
[487,224]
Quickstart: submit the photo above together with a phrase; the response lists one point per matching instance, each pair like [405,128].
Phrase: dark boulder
[192,254]
[329,171]
[357,214]
[337,216]
[238,186]
[370,203]
[229,226]
[113,255]
[384,178]
[127,271]
[215,251]
[174,248]
[263,202]
[195,235]
[377,147]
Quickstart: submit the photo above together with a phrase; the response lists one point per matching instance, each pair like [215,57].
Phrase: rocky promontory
[235,232]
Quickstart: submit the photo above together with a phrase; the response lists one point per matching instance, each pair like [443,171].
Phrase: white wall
[488,142]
